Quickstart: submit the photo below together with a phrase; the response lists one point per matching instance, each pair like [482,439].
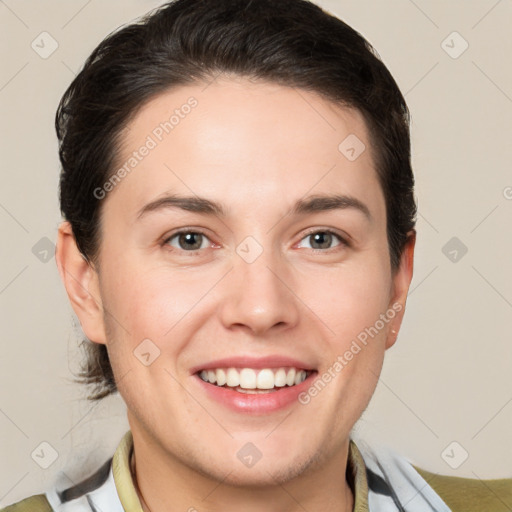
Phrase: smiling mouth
[255,381]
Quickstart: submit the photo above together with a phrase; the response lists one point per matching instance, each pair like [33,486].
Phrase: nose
[259,296]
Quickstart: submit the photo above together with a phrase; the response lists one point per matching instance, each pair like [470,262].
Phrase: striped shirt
[381,481]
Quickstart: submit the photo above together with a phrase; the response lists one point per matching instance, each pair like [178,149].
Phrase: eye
[322,240]
[189,241]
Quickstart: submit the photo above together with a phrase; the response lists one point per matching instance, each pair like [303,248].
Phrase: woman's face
[270,277]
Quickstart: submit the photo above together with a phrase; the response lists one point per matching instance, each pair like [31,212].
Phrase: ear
[400,288]
[82,284]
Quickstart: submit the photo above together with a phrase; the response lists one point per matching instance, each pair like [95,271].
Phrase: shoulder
[76,497]
[36,503]
[470,494]
[97,492]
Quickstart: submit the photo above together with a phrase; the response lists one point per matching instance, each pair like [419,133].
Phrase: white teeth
[248,378]
[233,378]
[280,378]
[221,377]
[290,378]
[265,379]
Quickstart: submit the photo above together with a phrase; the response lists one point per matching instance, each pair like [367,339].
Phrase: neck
[303,493]
[133,470]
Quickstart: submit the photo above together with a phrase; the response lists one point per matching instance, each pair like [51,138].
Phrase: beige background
[447,379]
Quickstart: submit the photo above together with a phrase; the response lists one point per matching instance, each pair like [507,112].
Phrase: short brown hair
[288,42]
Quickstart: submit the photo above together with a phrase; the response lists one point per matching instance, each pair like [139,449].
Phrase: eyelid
[167,238]
[343,239]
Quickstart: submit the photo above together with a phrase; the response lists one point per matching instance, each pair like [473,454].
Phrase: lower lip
[260,403]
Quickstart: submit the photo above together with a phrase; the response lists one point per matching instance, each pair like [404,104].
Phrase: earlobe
[81,282]
[401,282]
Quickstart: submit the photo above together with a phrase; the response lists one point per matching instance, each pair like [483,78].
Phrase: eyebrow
[311,204]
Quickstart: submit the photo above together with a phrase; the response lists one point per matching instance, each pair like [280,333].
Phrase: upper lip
[274,361]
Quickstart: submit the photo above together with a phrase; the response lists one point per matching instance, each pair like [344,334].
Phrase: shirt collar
[122,475]
[356,472]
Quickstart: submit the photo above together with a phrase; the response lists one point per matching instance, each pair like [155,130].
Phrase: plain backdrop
[445,393]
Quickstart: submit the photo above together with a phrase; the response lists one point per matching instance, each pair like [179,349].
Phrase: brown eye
[188,240]
[322,240]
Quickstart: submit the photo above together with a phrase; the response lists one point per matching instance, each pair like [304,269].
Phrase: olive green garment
[460,494]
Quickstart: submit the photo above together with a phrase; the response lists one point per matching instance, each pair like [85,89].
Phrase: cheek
[351,306]
[148,312]
[149,305]
[154,301]
[349,299]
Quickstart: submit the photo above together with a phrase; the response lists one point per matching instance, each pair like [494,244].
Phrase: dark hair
[287,42]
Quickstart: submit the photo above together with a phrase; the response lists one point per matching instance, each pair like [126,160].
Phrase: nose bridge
[257,295]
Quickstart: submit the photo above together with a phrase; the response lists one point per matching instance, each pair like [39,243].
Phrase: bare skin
[255,148]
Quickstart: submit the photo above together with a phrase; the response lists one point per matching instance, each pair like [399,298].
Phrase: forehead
[246,143]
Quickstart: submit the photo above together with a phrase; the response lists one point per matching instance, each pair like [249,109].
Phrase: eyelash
[343,242]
